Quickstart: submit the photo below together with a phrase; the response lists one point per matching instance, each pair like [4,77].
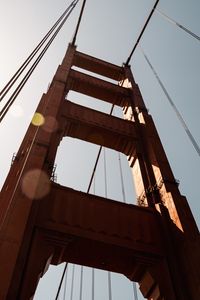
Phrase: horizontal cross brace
[88,216]
[98,66]
[97,88]
[99,128]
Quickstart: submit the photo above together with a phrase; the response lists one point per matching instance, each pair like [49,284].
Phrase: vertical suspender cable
[124,200]
[81,284]
[72,284]
[135,291]
[94,186]
[97,159]
[93,279]
[106,195]
[60,285]
[121,177]
[109,286]
[93,270]
[189,134]
[105,173]
[178,24]
[65,285]
[94,169]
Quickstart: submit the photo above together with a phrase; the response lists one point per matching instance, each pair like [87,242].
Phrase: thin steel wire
[180,118]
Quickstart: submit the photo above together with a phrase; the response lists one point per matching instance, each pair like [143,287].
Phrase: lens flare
[35,184]
[38,119]
[50,125]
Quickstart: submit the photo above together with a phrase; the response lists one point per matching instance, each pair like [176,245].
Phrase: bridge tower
[155,243]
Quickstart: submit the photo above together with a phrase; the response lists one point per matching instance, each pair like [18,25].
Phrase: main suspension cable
[78,23]
[142,32]
[177,24]
[16,75]
[14,95]
[184,125]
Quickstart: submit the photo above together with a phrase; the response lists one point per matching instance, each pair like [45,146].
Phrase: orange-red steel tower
[155,243]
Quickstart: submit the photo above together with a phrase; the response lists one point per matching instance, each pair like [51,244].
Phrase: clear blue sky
[109,30]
